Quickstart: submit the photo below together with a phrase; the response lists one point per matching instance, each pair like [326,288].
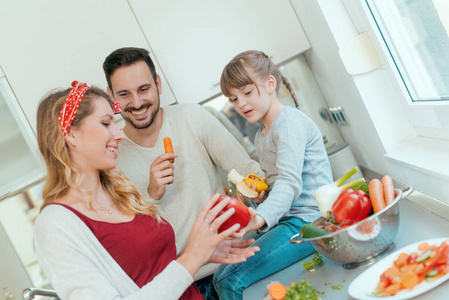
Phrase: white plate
[366,283]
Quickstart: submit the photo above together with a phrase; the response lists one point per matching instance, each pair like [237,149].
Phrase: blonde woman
[94,238]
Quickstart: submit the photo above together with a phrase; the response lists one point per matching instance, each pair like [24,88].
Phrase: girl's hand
[233,251]
[204,237]
[255,223]
[259,199]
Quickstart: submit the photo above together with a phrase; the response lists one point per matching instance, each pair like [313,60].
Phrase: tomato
[241,214]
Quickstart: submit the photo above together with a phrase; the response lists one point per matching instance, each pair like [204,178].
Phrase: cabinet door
[193,40]
[20,162]
[47,44]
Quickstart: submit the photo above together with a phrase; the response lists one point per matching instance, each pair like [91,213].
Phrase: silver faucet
[30,293]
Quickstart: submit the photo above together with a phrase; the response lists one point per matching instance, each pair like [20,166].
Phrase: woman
[94,237]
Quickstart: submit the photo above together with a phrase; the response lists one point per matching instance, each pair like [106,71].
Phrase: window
[416,33]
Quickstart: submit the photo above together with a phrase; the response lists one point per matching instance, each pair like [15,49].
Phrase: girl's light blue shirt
[295,163]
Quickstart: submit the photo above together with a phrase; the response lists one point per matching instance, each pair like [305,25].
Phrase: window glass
[417,35]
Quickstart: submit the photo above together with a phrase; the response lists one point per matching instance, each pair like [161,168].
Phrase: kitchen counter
[416,223]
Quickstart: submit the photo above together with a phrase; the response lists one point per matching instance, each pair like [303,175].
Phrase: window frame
[412,58]
[427,117]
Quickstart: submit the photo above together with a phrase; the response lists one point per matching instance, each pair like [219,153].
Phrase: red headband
[72,103]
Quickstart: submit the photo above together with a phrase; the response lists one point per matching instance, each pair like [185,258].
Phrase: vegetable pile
[343,205]
[297,291]
[430,264]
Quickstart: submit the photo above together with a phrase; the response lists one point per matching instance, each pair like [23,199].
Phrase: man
[201,145]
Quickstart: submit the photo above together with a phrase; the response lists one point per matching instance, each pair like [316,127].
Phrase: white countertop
[416,224]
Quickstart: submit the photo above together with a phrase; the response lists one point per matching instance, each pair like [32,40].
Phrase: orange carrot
[391,290]
[376,194]
[409,280]
[168,147]
[392,273]
[423,246]
[387,183]
[277,290]
[409,268]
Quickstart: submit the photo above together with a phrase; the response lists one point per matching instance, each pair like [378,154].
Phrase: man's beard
[152,117]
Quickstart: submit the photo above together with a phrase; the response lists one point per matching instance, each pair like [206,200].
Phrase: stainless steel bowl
[361,243]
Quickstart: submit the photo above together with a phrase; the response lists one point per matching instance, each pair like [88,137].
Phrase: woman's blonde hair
[237,73]
[62,173]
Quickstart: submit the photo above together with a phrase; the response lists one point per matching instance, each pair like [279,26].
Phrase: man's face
[134,88]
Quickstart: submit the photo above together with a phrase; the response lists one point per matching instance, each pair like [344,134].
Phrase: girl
[94,238]
[291,153]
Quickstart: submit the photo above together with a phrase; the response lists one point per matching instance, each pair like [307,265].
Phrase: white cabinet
[47,44]
[20,162]
[193,40]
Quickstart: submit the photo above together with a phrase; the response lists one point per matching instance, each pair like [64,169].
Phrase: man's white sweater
[203,145]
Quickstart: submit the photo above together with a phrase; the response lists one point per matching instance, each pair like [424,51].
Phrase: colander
[361,243]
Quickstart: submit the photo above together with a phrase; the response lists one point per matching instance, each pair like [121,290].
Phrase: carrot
[376,195]
[391,289]
[423,246]
[393,273]
[410,268]
[387,183]
[168,147]
[409,280]
[277,290]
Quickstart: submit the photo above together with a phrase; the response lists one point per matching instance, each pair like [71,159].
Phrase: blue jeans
[276,253]
[206,288]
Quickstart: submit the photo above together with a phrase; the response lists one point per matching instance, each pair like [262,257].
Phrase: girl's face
[95,142]
[253,102]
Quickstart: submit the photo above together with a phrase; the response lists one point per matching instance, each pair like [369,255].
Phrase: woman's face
[95,141]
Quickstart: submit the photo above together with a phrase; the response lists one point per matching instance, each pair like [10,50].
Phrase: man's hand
[162,173]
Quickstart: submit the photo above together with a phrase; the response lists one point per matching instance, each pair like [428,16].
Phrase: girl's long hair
[242,69]
[63,174]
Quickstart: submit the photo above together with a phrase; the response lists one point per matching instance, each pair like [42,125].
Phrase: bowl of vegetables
[356,228]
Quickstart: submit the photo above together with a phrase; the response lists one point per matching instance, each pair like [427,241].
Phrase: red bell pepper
[351,207]
[241,214]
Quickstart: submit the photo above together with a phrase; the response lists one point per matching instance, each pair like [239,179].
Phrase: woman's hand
[204,237]
[233,251]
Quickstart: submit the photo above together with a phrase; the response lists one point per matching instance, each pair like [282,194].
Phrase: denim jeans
[276,253]
[206,288]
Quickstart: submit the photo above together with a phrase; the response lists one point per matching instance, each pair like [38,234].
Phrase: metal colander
[363,242]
